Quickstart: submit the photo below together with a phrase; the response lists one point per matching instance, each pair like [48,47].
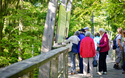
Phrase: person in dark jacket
[87,29]
[81,36]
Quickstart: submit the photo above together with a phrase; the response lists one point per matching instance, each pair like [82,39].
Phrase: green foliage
[81,14]
[3,61]
[24,43]
[108,14]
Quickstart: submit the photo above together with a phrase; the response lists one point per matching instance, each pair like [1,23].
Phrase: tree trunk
[20,29]
[1,26]
[92,25]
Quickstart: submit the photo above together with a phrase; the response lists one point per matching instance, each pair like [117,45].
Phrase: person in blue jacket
[87,29]
[81,36]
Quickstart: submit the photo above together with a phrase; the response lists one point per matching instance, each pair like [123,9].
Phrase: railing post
[65,64]
[64,67]
[31,74]
[28,75]
[54,68]
[60,66]
[66,60]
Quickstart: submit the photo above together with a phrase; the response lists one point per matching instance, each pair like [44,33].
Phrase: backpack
[74,48]
[95,63]
[114,43]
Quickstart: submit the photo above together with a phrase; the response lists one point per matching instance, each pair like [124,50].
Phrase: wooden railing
[58,59]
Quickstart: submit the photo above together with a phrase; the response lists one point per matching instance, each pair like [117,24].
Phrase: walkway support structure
[48,36]
[58,69]
[51,63]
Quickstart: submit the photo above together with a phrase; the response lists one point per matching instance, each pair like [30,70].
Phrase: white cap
[86,28]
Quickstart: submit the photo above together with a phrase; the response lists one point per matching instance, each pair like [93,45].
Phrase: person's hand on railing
[69,46]
[63,43]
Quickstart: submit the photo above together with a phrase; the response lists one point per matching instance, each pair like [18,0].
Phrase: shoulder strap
[116,36]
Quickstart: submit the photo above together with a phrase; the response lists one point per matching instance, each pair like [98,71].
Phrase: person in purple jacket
[81,36]
[104,45]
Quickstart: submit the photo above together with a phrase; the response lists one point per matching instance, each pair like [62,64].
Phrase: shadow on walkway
[111,72]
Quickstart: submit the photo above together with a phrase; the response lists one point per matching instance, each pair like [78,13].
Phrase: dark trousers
[102,62]
[124,66]
[80,63]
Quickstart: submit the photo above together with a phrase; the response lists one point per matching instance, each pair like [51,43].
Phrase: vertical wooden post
[48,36]
[64,65]
[49,27]
[31,74]
[54,68]
[69,5]
[64,3]
[68,17]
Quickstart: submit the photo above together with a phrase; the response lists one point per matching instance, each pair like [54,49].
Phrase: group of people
[86,46]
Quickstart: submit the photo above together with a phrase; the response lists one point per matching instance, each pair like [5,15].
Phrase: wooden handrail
[21,68]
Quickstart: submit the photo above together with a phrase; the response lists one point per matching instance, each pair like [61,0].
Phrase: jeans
[72,62]
[80,63]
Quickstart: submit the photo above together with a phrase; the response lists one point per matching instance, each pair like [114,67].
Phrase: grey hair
[77,33]
[101,29]
[87,34]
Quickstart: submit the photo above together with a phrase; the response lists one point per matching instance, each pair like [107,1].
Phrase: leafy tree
[108,14]
[24,43]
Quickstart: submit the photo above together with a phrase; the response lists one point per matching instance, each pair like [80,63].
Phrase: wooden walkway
[111,72]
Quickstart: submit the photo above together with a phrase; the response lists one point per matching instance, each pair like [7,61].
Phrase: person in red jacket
[104,45]
[87,52]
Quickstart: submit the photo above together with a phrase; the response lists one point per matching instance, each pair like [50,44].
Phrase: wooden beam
[48,36]
[49,27]
[21,68]
[68,17]
[64,3]
[69,6]
[54,68]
